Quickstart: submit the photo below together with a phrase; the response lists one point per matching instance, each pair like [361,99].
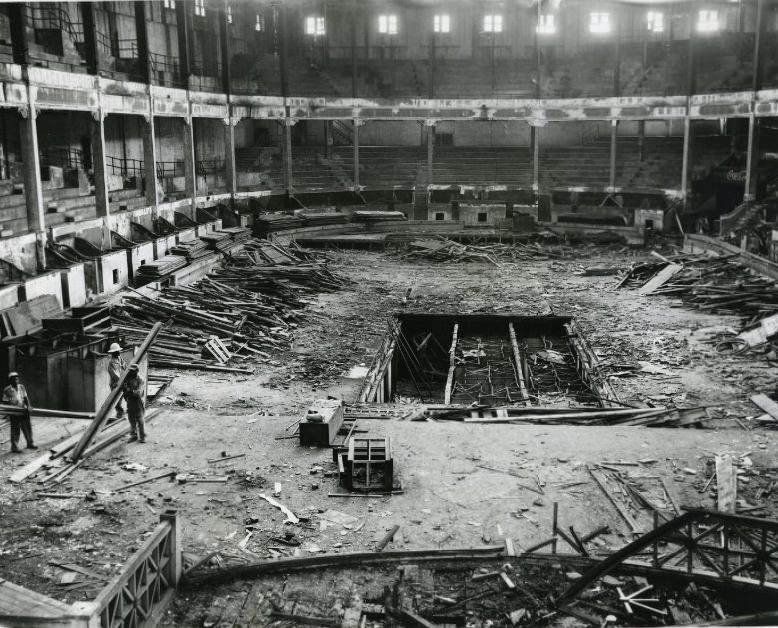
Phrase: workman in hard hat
[15,394]
[134,389]
[115,369]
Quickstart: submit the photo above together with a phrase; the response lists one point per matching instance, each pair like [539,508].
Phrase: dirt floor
[448,498]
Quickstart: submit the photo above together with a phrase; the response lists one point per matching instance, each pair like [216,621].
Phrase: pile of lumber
[538,415]
[217,240]
[267,223]
[237,234]
[442,249]
[191,250]
[719,284]
[159,268]
[316,219]
[247,306]
[376,216]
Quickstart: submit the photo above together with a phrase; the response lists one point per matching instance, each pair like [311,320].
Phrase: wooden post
[535,139]
[517,359]
[752,159]
[554,527]
[452,361]
[691,68]
[614,138]
[190,167]
[686,162]
[184,33]
[759,47]
[33,188]
[176,563]
[151,183]
[97,128]
[91,50]
[357,124]
[224,43]
[142,35]
[354,69]
[230,165]
[430,149]
[288,173]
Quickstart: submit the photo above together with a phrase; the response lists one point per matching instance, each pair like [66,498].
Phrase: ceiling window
[656,21]
[387,24]
[200,8]
[258,24]
[708,21]
[546,25]
[493,23]
[599,23]
[170,4]
[442,23]
[314,25]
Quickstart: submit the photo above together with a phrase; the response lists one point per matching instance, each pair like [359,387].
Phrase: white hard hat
[13,374]
[114,347]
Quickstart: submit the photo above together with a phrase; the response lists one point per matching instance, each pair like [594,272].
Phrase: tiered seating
[660,167]
[575,166]
[382,167]
[312,171]
[13,210]
[124,200]
[482,165]
[68,205]
[473,79]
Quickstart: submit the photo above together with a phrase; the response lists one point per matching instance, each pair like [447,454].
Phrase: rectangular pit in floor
[486,359]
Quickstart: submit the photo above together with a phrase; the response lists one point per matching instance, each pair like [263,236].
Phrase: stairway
[742,218]
[343,132]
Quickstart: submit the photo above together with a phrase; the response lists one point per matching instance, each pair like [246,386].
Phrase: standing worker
[115,369]
[15,394]
[133,390]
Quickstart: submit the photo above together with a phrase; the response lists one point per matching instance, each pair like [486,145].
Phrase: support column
[97,128]
[224,43]
[354,69]
[752,160]
[33,188]
[641,139]
[327,139]
[91,49]
[175,565]
[614,138]
[230,166]
[357,123]
[190,172]
[687,160]
[430,124]
[150,181]
[142,35]
[17,17]
[759,46]
[691,68]
[288,175]
[535,140]
[183,30]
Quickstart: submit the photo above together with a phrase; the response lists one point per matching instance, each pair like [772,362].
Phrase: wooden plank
[765,403]
[18,602]
[517,360]
[452,360]
[636,529]
[726,484]
[660,279]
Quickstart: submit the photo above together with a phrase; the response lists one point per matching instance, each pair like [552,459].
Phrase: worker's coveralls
[17,396]
[115,369]
[133,390]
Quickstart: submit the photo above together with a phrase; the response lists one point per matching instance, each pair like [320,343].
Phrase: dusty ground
[448,501]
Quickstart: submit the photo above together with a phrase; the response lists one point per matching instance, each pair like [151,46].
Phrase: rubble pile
[444,250]
[242,309]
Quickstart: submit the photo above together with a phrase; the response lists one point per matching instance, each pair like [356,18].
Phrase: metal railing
[210,166]
[147,581]
[124,166]
[68,157]
[57,18]
[170,169]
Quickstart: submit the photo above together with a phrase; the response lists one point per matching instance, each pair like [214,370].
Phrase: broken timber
[660,279]
[452,363]
[518,363]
